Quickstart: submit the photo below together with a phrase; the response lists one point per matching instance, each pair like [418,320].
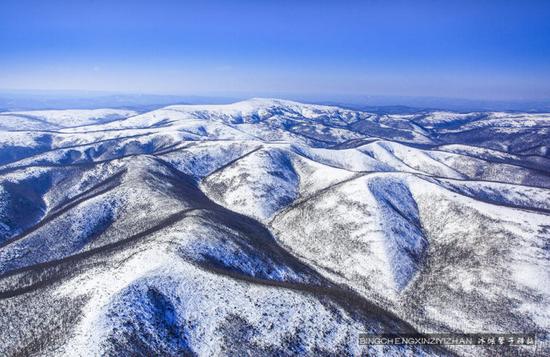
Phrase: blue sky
[465,49]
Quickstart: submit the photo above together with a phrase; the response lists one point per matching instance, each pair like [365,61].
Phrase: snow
[205,301]
[259,184]
[274,201]
[60,118]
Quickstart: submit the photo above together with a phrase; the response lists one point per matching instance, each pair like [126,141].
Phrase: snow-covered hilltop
[270,227]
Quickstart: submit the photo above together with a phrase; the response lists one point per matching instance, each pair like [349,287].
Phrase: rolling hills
[270,227]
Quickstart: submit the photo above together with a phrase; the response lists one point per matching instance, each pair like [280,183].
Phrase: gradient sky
[466,49]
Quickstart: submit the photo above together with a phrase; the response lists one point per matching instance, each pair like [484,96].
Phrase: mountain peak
[161,232]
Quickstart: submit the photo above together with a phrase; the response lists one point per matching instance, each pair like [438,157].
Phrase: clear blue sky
[468,49]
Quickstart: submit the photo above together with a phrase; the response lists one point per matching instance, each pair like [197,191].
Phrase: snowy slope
[55,119]
[270,227]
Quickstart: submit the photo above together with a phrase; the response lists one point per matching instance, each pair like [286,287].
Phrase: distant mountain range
[269,227]
[48,99]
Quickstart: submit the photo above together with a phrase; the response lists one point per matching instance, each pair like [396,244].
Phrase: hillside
[270,227]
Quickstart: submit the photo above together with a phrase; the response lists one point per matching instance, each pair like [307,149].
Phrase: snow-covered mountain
[270,227]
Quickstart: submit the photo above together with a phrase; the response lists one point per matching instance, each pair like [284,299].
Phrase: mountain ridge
[183,230]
